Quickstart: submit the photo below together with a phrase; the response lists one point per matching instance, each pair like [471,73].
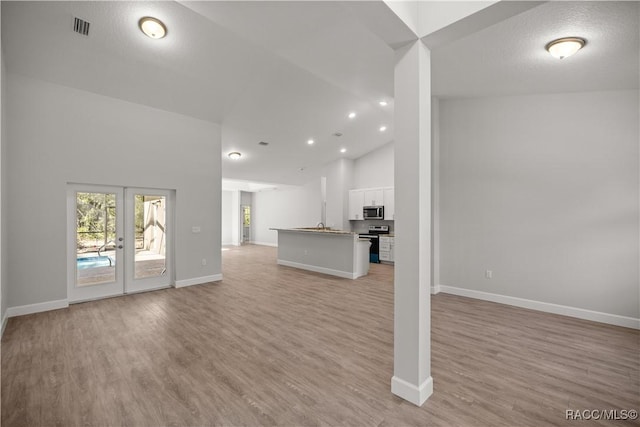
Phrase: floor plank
[273,345]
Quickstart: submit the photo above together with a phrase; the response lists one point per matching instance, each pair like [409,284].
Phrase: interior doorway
[246,224]
[119,241]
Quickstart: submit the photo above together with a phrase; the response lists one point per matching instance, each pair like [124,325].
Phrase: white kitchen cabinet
[358,198]
[373,197]
[356,203]
[389,204]
[386,248]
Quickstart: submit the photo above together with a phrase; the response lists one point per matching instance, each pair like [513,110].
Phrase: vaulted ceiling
[287,72]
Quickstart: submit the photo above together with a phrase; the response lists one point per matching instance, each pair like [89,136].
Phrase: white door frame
[104,290]
[125,282]
[131,284]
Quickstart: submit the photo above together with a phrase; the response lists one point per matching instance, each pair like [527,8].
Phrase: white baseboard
[435,289]
[411,393]
[344,274]
[5,319]
[198,280]
[273,245]
[580,313]
[21,310]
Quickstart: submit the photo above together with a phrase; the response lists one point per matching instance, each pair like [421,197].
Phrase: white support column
[412,319]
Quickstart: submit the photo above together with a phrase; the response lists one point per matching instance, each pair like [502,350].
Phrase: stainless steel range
[374,235]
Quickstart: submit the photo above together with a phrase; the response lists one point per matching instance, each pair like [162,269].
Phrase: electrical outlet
[488,274]
[204,261]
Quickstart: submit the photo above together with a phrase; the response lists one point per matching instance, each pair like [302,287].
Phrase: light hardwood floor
[272,345]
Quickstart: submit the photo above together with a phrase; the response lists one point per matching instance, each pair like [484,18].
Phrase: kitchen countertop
[316,230]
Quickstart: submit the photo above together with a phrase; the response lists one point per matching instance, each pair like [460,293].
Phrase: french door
[119,241]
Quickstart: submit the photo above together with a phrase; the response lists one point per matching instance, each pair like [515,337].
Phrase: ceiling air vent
[81,26]
[263,143]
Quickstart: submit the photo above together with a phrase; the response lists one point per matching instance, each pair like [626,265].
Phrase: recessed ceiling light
[352,115]
[152,27]
[343,150]
[310,142]
[383,103]
[383,128]
[567,46]
[234,155]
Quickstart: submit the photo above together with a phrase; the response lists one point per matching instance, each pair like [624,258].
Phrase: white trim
[157,288]
[580,313]
[345,274]
[21,310]
[435,289]
[273,245]
[5,319]
[411,393]
[198,280]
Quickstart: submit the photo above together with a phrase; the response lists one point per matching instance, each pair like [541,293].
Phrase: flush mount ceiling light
[310,142]
[234,155]
[564,47]
[352,115]
[343,150]
[383,128]
[152,27]
[383,103]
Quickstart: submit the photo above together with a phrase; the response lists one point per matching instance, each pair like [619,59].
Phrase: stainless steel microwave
[373,212]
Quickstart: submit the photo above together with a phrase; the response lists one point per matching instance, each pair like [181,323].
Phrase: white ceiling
[509,58]
[284,72]
[267,71]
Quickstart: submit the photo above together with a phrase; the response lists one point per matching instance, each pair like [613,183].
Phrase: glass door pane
[95,238]
[150,236]
[147,239]
[94,242]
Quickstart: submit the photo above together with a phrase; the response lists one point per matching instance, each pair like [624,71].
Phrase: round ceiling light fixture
[383,128]
[310,142]
[152,27]
[352,115]
[343,150]
[383,103]
[565,47]
[234,155]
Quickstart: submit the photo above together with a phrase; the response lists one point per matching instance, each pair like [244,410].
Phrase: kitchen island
[323,250]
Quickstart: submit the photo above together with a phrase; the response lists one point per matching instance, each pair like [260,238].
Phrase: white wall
[3,188]
[58,135]
[339,176]
[231,218]
[543,190]
[226,230]
[298,207]
[374,169]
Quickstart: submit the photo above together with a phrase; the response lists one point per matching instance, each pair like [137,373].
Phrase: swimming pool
[95,261]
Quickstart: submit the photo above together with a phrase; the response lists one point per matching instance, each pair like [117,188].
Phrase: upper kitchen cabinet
[362,197]
[373,197]
[356,203]
[389,203]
